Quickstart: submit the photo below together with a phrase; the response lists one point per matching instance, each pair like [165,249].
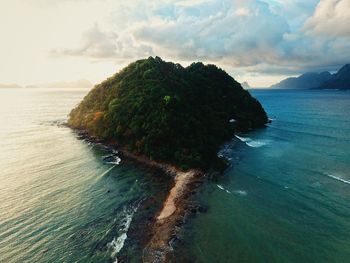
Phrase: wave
[257,144]
[243,139]
[252,143]
[112,159]
[118,242]
[238,192]
[107,171]
[338,178]
[222,188]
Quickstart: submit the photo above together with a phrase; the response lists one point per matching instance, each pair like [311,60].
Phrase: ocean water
[285,197]
[61,199]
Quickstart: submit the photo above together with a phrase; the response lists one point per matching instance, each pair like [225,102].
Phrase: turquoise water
[285,198]
[60,202]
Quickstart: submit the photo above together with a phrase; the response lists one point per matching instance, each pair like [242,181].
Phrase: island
[173,118]
[339,80]
[313,80]
[307,80]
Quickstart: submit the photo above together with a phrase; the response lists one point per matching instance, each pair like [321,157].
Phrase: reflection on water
[61,199]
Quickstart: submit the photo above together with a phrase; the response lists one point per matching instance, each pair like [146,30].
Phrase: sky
[258,41]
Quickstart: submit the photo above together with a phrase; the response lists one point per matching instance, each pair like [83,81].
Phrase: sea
[284,198]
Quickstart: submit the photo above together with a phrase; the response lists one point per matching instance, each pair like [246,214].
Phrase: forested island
[169,113]
[176,118]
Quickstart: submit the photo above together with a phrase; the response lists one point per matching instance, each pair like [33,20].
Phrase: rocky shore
[165,225]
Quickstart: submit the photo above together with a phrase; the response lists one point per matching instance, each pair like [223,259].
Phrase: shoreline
[165,224]
[171,216]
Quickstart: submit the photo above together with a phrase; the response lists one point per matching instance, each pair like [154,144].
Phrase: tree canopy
[167,112]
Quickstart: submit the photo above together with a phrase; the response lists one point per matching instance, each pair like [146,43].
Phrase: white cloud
[236,32]
[252,39]
[331,18]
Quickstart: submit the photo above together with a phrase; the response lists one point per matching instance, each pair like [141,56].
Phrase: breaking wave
[118,242]
[338,178]
[252,143]
[237,192]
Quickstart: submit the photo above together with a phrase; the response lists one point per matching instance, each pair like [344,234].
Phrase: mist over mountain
[245,85]
[339,80]
[9,86]
[306,81]
[314,80]
[82,83]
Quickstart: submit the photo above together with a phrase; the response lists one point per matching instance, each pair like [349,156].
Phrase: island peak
[169,113]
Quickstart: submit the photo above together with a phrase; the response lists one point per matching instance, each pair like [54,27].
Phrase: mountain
[245,85]
[161,110]
[306,81]
[339,80]
[10,86]
[82,83]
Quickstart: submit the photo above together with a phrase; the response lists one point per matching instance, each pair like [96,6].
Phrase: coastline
[166,223]
[171,216]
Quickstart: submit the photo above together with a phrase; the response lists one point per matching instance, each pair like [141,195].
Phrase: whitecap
[240,192]
[116,161]
[118,242]
[222,188]
[111,159]
[107,171]
[252,143]
[243,139]
[257,144]
[338,178]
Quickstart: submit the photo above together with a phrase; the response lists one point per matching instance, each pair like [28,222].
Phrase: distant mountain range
[313,80]
[82,83]
[10,86]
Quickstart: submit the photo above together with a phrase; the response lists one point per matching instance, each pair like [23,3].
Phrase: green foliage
[167,99]
[167,112]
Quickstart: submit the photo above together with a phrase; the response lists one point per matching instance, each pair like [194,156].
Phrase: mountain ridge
[313,80]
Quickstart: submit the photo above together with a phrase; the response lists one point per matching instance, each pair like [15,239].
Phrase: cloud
[331,18]
[259,37]
[95,44]
[236,32]
[98,44]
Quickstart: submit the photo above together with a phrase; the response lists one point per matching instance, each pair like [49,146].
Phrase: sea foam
[111,159]
[252,143]
[237,192]
[338,178]
[118,242]
[240,192]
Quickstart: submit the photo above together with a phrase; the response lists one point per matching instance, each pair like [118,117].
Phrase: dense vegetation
[168,112]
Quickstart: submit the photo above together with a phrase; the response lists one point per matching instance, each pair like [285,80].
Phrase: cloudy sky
[259,41]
